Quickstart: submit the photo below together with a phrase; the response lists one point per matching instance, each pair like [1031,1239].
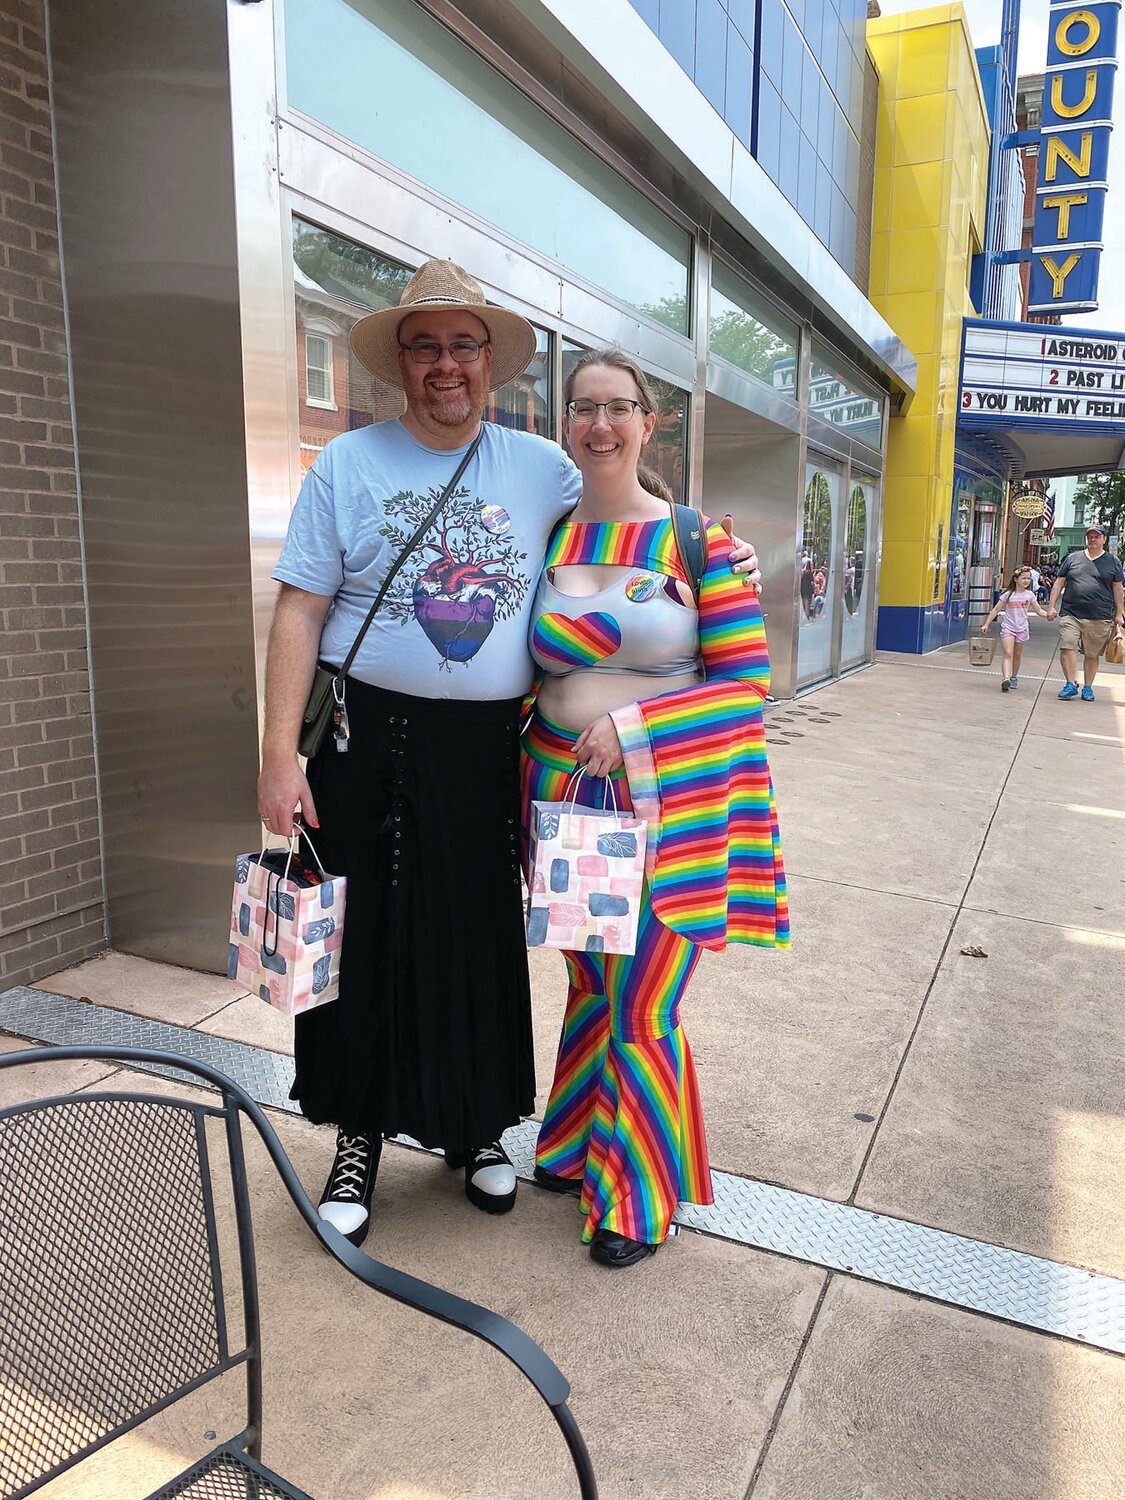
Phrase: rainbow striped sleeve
[732,630]
[699,757]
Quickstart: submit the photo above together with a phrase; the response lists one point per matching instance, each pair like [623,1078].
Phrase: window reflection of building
[320,354]
[845,402]
[855,547]
[335,283]
[667,448]
[525,403]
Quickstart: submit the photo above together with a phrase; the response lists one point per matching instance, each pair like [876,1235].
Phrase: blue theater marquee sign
[1073,153]
[1033,374]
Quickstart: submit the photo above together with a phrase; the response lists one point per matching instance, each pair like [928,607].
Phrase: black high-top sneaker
[490,1178]
[346,1200]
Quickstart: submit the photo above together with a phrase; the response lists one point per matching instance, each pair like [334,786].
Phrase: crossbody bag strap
[687,527]
[405,553]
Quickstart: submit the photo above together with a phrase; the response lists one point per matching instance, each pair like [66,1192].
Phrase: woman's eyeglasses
[428,351]
[617,411]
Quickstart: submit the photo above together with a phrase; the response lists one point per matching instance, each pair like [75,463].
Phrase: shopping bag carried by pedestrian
[587,870]
[286,927]
[1115,646]
[982,648]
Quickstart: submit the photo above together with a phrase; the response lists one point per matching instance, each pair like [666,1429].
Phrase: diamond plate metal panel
[970,1274]
[266,1076]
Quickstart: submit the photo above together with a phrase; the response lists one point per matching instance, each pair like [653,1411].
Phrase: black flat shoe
[618,1250]
[346,1200]
[490,1178]
[556,1184]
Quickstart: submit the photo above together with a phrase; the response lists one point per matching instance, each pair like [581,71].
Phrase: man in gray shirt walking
[1091,585]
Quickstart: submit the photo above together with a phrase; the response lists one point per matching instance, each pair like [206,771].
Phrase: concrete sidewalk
[923,813]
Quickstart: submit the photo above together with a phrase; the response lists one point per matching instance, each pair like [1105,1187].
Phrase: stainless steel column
[147,206]
[751,468]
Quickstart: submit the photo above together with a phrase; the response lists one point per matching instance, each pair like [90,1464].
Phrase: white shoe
[490,1178]
[346,1200]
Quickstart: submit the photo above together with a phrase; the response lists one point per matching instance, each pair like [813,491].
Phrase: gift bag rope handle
[569,794]
[299,832]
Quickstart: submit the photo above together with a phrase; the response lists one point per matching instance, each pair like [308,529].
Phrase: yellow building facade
[931,174]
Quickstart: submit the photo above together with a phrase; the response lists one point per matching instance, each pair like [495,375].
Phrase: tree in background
[347,270]
[1102,498]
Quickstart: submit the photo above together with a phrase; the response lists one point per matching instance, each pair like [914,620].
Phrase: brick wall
[51,894]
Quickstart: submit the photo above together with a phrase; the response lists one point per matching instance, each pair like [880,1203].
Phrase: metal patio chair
[111,1282]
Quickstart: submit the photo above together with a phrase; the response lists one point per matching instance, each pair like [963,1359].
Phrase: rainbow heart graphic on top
[576,643]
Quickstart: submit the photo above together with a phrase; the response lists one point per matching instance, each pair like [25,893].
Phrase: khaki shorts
[1091,637]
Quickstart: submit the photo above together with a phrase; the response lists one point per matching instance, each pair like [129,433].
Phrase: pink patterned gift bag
[286,928]
[587,870]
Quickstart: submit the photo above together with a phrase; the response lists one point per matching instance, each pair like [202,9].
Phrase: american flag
[1049,515]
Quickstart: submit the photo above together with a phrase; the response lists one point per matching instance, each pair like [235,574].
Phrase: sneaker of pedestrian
[346,1200]
[1005,685]
[490,1178]
[1087,694]
[1013,683]
[1069,692]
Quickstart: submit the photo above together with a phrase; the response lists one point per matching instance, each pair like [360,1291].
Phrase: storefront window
[392,79]
[525,403]
[335,283]
[854,408]
[746,333]
[958,562]
[667,450]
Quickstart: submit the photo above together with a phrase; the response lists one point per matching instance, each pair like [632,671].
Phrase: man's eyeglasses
[428,351]
[617,411]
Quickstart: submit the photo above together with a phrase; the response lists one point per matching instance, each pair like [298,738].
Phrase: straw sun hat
[440,284]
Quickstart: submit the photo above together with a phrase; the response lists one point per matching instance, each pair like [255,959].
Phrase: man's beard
[455,408]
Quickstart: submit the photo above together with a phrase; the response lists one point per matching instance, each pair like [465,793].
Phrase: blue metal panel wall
[713,41]
[803,119]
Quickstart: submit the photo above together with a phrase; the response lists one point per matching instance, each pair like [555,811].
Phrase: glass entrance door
[984,563]
[860,530]
[818,571]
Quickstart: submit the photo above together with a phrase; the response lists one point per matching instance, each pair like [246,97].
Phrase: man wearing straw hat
[415,793]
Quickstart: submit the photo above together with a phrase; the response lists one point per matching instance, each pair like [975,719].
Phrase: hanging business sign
[1021,374]
[1066,245]
[1029,505]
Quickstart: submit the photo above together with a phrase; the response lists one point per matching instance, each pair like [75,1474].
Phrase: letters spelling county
[1073,156]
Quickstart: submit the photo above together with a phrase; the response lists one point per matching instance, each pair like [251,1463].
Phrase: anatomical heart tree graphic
[463,575]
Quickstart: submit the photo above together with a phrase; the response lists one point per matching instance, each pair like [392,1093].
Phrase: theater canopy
[1052,399]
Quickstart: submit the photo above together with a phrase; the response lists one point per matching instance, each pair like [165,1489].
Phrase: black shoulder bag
[325,704]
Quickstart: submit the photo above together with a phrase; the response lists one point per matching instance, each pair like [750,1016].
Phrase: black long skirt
[431,1034]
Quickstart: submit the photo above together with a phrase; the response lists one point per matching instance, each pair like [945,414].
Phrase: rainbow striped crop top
[633,624]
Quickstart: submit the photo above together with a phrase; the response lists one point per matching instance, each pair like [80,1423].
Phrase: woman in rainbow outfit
[643,683]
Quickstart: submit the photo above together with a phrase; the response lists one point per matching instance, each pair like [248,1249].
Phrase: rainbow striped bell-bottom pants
[624,1114]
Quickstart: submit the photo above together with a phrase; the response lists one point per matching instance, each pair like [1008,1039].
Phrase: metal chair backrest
[111,1286]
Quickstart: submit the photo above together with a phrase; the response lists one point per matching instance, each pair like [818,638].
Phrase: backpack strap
[691,543]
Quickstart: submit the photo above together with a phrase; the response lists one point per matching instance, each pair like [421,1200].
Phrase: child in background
[1014,604]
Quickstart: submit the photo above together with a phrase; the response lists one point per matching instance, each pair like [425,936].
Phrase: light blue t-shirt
[454,621]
